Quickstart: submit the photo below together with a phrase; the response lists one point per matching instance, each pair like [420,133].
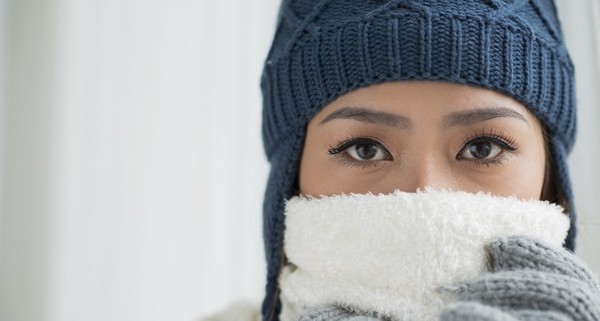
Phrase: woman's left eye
[481,150]
[484,149]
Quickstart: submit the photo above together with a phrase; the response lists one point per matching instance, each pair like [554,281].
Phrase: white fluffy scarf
[386,254]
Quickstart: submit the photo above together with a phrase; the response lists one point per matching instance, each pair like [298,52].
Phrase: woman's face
[417,134]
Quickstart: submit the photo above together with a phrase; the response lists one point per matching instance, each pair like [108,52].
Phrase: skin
[449,136]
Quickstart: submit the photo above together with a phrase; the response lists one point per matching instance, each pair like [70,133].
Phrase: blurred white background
[131,163]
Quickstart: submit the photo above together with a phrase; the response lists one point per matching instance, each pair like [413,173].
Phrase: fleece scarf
[387,254]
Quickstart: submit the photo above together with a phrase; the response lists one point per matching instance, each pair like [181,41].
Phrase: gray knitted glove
[530,281]
[336,314]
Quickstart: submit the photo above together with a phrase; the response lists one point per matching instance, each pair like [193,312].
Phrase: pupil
[366,151]
[481,150]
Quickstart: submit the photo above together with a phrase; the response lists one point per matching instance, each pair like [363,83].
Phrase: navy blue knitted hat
[325,48]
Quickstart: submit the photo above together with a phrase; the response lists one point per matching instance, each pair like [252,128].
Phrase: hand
[529,281]
[336,314]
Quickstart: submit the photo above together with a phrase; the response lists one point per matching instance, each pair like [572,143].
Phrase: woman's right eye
[361,150]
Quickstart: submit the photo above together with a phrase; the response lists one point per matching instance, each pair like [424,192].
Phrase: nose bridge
[430,171]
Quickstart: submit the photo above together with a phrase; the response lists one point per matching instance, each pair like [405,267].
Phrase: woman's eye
[366,151]
[361,150]
[481,150]
[486,150]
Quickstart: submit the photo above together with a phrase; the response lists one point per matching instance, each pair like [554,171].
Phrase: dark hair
[551,188]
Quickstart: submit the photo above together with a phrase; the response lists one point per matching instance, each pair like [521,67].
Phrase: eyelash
[507,143]
[343,145]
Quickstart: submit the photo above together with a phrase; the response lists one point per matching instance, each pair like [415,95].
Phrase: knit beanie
[325,48]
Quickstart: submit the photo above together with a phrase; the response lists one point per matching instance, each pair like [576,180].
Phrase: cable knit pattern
[336,314]
[497,49]
[325,48]
[530,281]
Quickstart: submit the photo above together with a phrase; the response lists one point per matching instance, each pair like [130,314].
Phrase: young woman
[380,97]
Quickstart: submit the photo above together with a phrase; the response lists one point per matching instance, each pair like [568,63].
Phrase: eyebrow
[368,116]
[469,117]
[462,118]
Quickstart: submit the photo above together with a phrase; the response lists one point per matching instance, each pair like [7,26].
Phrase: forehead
[423,99]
